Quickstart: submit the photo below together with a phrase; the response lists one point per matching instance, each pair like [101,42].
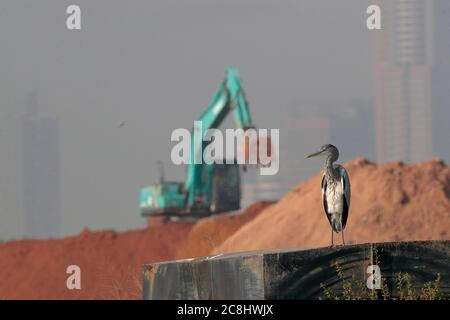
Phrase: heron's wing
[324,198]
[345,181]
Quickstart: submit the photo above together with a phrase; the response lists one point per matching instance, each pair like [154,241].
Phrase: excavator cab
[225,188]
[222,193]
[162,198]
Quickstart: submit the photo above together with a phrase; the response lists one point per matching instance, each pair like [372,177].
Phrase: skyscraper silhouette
[40,172]
[441,81]
[404,57]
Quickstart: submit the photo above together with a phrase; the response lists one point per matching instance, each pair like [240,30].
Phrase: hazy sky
[156,66]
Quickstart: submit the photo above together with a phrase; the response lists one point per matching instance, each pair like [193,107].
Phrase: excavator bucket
[257,150]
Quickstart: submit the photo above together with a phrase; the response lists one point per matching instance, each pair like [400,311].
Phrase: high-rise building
[404,57]
[441,81]
[40,173]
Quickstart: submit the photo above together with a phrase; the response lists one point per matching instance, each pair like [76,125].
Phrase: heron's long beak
[318,153]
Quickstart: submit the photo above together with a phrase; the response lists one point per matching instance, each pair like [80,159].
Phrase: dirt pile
[110,263]
[391,202]
[211,232]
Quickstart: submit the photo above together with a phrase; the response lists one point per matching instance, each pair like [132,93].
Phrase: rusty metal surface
[294,274]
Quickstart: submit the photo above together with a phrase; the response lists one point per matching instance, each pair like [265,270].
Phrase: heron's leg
[332,242]
[343,242]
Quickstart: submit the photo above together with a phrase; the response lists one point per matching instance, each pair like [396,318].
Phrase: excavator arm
[229,97]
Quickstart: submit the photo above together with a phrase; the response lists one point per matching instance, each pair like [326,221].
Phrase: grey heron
[335,190]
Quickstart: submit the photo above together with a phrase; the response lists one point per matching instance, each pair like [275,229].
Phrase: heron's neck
[330,171]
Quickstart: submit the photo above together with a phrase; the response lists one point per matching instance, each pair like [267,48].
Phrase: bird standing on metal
[335,190]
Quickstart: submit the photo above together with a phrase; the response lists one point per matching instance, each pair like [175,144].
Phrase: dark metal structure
[296,274]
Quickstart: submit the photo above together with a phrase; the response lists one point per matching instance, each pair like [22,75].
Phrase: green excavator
[209,188]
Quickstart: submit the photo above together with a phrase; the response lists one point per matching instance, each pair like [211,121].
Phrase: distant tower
[441,81]
[404,56]
[40,173]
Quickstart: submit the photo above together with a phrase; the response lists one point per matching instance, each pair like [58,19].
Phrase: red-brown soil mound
[110,263]
[211,232]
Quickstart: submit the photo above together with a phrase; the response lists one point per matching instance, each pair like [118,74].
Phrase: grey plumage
[335,190]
